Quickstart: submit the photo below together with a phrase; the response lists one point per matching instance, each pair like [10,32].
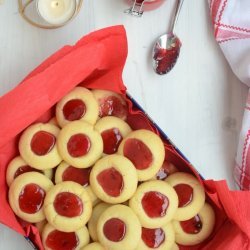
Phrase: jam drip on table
[68,204]
[185,194]
[31,198]
[111,181]
[74,109]
[155,204]
[153,238]
[25,169]
[57,240]
[42,143]
[114,229]
[112,105]
[111,140]
[78,145]
[166,169]
[138,152]
[192,226]
[78,175]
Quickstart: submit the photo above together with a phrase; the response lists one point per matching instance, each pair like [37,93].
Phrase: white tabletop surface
[199,104]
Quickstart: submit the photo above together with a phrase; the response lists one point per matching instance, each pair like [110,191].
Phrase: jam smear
[185,194]
[57,240]
[111,140]
[68,204]
[114,106]
[25,169]
[111,181]
[74,109]
[153,238]
[192,226]
[114,229]
[31,198]
[166,169]
[42,143]
[138,152]
[78,145]
[79,175]
[155,204]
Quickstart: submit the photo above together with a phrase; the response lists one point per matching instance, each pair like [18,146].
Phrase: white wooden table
[199,104]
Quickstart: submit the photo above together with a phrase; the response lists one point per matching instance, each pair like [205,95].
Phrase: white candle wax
[56,12]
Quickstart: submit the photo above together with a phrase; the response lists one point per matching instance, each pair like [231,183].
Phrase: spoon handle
[176,15]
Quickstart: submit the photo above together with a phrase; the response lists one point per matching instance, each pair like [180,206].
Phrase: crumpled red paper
[97,61]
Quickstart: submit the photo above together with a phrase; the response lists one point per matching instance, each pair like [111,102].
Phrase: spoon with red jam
[167,47]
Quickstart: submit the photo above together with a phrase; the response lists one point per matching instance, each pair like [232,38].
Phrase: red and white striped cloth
[231,19]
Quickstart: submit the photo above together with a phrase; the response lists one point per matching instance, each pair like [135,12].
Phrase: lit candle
[56,12]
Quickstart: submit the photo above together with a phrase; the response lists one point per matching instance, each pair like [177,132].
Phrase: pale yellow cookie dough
[16,188]
[125,168]
[94,246]
[63,223]
[87,98]
[41,162]
[198,198]
[96,147]
[53,121]
[155,145]
[133,228]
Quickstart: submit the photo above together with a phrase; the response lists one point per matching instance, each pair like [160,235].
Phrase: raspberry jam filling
[114,229]
[153,238]
[111,181]
[192,226]
[31,198]
[111,140]
[138,152]
[74,109]
[155,204]
[57,240]
[68,204]
[166,169]
[79,175]
[42,142]
[114,106]
[78,145]
[25,169]
[185,194]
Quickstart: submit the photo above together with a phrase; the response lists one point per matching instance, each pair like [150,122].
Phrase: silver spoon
[167,47]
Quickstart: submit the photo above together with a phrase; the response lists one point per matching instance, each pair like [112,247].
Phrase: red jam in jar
[111,181]
[42,142]
[57,240]
[78,145]
[114,229]
[155,204]
[148,5]
[68,204]
[78,175]
[153,238]
[185,194]
[138,152]
[111,140]
[31,198]
[192,226]
[74,109]
[25,169]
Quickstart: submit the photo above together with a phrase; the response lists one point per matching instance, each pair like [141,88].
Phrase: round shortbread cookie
[94,246]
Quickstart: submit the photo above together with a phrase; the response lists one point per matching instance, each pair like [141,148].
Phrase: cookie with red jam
[53,121]
[111,104]
[26,196]
[65,172]
[94,246]
[67,206]
[119,228]
[80,144]
[191,195]
[162,238]
[38,146]
[114,179]
[54,239]
[79,104]
[197,229]
[155,203]
[146,151]
[112,130]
